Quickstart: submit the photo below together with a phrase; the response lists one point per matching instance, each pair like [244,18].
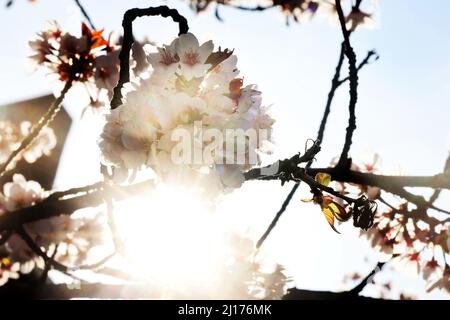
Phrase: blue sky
[403,108]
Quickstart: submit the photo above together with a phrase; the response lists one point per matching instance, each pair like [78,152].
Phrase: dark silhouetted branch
[85,14]
[256,8]
[353,294]
[278,215]
[438,181]
[437,192]
[128,40]
[368,279]
[367,60]
[335,84]
[17,289]
[392,184]
[38,251]
[353,78]
[51,207]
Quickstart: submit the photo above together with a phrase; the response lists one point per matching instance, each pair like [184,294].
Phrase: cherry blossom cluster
[298,10]
[11,136]
[191,89]
[89,59]
[383,289]
[419,241]
[68,240]
[251,275]
[405,232]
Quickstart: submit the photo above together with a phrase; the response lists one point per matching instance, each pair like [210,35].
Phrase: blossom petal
[186,42]
[205,50]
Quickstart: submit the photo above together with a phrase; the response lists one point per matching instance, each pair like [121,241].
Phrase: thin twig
[287,166]
[387,182]
[334,85]
[37,250]
[278,215]
[367,60]
[97,264]
[45,120]
[76,191]
[118,243]
[48,266]
[128,40]
[256,8]
[85,14]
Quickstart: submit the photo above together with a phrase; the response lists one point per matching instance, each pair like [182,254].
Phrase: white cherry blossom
[184,95]
[193,56]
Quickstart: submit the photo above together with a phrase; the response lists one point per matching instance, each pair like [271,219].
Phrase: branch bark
[344,161]
[128,40]
[51,206]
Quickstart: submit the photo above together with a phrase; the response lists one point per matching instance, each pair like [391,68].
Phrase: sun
[173,240]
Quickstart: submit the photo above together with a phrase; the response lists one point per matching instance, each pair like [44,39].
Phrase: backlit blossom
[193,56]
[80,234]
[260,278]
[417,243]
[42,145]
[165,60]
[357,17]
[20,193]
[191,91]
[8,270]
[12,135]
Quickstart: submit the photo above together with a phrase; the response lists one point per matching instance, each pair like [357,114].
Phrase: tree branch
[37,128]
[278,215]
[392,184]
[38,251]
[85,14]
[353,75]
[17,289]
[366,61]
[335,84]
[387,182]
[298,294]
[51,207]
[128,40]
[364,282]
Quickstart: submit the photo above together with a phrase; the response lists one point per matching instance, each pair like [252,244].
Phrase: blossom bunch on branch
[177,121]
[11,135]
[297,10]
[89,59]
[62,241]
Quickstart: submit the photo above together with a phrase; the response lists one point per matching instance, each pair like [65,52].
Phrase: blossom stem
[36,249]
[85,14]
[44,121]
